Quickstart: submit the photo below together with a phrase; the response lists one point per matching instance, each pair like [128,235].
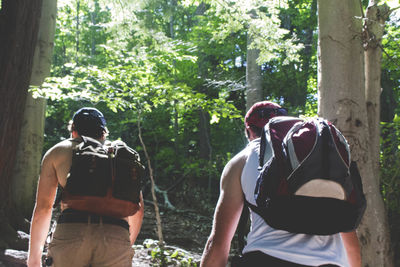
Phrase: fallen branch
[165,195]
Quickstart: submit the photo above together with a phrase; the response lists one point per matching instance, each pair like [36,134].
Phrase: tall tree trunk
[19,24]
[78,8]
[342,100]
[29,151]
[205,142]
[204,135]
[45,43]
[309,47]
[373,32]
[175,105]
[388,99]
[254,90]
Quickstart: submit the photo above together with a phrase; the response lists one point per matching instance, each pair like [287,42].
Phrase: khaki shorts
[94,245]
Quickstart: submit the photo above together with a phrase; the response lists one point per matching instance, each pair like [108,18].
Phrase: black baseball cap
[87,119]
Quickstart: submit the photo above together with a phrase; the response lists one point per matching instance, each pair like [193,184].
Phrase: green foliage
[390,178]
[390,65]
[169,256]
[146,73]
[81,29]
[261,21]
[294,82]
[178,68]
[390,129]
[390,43]
[167,64]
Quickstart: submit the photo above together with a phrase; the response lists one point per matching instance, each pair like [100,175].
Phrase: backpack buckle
[111,152]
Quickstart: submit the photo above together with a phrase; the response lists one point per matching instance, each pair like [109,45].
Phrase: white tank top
[303,249]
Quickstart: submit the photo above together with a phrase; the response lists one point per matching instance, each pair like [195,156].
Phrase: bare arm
[352,246]
[226,216]
[47,187]
[135,221]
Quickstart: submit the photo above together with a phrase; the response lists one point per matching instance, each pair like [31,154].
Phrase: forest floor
[185,234]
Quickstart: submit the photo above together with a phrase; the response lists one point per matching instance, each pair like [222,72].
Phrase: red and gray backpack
[307,184]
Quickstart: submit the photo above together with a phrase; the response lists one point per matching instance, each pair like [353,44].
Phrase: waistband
[77,216]
[259,259]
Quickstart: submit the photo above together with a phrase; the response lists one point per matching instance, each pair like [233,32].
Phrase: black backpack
[104,179]
[309,183]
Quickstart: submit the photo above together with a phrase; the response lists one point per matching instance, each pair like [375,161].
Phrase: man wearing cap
[92,240]
[265,245]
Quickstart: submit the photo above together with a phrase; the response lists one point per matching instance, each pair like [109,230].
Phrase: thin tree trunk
[175,105]
[342,100]
[204,135]
[77,30]
[93,32]
[373,32]
[176,133]
[254,92]
[153,185]
[205,143]
[308,49]
[388,98]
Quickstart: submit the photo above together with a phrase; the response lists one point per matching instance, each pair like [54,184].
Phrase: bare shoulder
[60,150]
[233,169]
[57,162]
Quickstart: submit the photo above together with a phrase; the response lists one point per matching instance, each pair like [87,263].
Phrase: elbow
[140,211]
[140,214]
[41,208]
[215,253]
[141,206]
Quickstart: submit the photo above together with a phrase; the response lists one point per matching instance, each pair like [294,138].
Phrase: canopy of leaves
[180,65]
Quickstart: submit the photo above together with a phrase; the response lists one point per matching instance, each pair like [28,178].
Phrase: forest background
[180,74]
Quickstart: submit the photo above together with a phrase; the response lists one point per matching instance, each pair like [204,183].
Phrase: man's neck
[75,135]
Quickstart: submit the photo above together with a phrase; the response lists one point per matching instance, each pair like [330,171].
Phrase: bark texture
[19,24]
[254,92]
[373,32]
[29,153]
[342,100]
[45,43]
[204,135]
[30,145]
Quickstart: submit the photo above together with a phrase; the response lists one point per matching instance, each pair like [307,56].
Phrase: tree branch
[153,186]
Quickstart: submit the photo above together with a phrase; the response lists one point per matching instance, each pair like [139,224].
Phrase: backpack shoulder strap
[242,226]
[263,141]
[59,194]
[89,141]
